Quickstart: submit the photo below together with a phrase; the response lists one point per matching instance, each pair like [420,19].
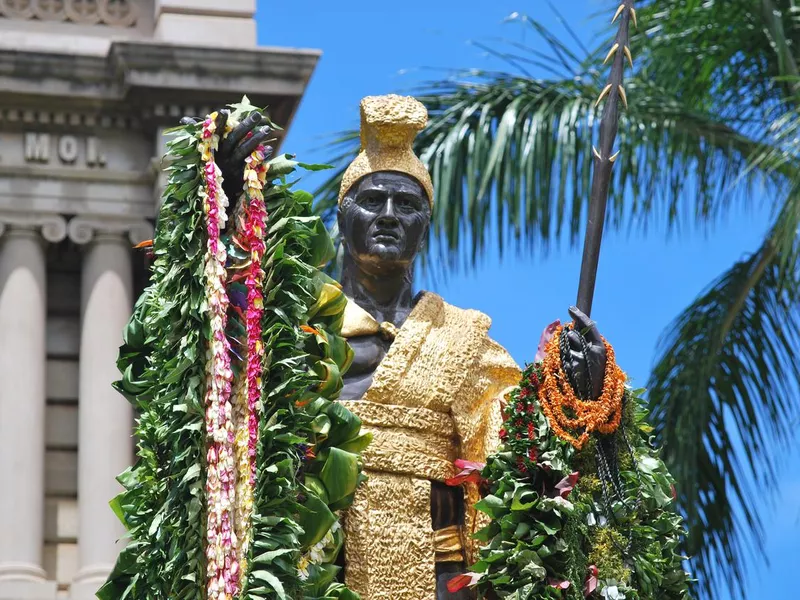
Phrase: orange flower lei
[584,416]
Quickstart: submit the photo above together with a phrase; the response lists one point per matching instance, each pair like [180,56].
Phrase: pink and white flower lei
[222,575]
[244,490]
[255,175]
[248,388]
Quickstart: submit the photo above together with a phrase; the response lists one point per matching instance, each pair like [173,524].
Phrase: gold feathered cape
[435,397]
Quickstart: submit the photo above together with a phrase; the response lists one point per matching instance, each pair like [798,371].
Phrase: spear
[613,93]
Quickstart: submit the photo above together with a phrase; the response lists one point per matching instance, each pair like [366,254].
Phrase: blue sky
[643,281]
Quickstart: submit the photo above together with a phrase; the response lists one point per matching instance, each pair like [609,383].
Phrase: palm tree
[713,120]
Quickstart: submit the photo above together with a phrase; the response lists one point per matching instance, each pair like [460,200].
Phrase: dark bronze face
[384,220]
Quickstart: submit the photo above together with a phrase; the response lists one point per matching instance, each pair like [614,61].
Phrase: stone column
[23,314]
[105,418]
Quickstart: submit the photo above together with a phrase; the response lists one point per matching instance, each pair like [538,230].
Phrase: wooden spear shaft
[614,94]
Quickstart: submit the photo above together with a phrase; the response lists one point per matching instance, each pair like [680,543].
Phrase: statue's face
[384,220]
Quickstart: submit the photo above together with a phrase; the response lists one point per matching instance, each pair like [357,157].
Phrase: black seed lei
[606,451]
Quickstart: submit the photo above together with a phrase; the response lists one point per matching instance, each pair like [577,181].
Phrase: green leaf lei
[554,533]
[308,463]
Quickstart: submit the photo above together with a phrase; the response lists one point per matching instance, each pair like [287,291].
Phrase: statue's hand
[240,143]
[585,364]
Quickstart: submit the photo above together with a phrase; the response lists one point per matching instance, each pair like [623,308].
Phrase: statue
[258,418]
[426,380]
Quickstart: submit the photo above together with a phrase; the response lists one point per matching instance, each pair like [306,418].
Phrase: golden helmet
[389,125]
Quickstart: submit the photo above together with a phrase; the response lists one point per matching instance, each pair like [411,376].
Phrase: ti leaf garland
[554,532]
[303,446]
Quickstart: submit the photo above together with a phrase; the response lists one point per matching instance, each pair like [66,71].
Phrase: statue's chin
[383,259]
[384,252]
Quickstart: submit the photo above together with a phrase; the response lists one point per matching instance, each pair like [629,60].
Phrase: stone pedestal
[105,418]
[22,414]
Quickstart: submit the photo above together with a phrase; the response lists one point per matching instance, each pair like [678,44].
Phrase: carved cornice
[53,227]
[267,70]
[150,82]
[116,13]
[83,230]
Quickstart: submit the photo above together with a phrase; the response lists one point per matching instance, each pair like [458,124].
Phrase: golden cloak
[435,397]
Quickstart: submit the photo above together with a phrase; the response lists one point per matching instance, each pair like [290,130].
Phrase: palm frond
[518,152]
[343,148]
[722,398]
[716,55]
[523,148]
[511,155]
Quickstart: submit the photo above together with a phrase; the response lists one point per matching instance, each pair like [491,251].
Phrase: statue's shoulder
[469,322]
[453,315]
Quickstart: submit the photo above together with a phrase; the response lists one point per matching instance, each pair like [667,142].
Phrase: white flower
[563,502]
[302,568]
[612,592]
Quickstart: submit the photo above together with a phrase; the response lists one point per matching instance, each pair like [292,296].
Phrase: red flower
[565,486]
[470,472]
[524,393]
[534,380]
[310,455]
[520,407]
[590,584]
[533,454]
[459,582]
[531,432]
[530,409]
[503,434]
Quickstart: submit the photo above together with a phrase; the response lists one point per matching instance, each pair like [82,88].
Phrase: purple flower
[547,335]
[238,298]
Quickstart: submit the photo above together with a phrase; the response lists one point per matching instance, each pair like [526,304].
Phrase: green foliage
[545,535]
[307,459]
[302,474]
[604,553]
[163,376]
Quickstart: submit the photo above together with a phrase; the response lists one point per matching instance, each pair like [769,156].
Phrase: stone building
[86,90]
